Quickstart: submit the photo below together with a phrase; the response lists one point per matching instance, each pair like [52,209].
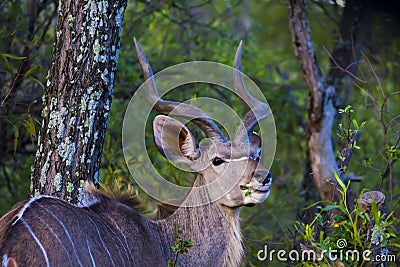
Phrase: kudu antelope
[46,231]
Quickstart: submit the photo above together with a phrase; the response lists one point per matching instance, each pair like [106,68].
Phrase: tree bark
[324,92]
[321,112]
[77,97]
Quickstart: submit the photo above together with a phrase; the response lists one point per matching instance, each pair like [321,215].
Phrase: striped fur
[47,231]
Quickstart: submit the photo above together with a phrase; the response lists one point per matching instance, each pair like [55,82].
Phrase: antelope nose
[263,177]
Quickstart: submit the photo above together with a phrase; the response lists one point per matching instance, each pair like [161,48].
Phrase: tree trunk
[323,97]
[77,97]
[321,111]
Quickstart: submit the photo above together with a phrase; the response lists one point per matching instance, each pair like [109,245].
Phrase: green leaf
[355,123]
[367,216]
[31,127]
[36,80]
[32,70]
[393,245]
[339,181]
[11,56]
[16,136]
[6,64]
[330,207]
[321,236]
[314,204]
[375,212]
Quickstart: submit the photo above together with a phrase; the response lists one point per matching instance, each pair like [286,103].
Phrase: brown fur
[128,197]
[9,218]
[164,210]
[109,227]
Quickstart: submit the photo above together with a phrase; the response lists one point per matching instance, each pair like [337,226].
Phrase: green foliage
[25,49]
[348,132]
[180,246]
[248,191]
[349,230]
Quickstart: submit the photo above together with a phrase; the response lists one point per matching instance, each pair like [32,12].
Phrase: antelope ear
[174,140]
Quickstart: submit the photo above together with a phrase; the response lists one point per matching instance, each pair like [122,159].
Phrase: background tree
[77,97]
[327,92]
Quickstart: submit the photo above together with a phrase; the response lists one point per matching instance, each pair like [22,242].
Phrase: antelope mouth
[262,190]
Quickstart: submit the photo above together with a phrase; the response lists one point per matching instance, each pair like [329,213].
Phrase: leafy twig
[181,246]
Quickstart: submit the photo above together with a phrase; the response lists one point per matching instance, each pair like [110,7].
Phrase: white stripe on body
[102,242]
[66,231]
[126,247]
[55,234]
[37,241]
[239,159]
[4,261]
[114,241]
[90,253]
[28,204]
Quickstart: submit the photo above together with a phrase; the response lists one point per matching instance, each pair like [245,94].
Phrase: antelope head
[229,171]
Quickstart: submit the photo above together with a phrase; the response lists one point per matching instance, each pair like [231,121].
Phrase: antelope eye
[217,161]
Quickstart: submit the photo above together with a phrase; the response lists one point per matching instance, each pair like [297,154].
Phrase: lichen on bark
[77,96]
